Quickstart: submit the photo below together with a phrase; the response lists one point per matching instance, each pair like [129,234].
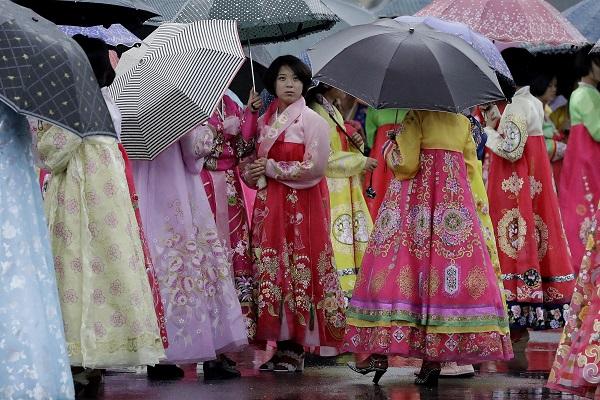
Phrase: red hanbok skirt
[152,279]
[580,189]
[298,295]
[534,255]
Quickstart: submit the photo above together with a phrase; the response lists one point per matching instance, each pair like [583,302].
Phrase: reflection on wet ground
[336,382]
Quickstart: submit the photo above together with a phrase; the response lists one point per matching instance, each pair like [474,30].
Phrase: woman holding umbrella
[351,223]
[534,256]
[544,87]
[427,258]
[233,140]
[298,296]
[580,194]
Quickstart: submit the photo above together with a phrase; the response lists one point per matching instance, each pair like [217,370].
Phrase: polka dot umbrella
[259,21]
[46,75]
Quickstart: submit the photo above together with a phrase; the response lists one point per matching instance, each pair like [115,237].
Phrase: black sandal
[377,364]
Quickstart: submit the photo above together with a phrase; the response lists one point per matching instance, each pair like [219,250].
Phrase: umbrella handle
[251,65]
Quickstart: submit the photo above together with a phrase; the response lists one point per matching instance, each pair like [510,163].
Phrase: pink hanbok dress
[234,140]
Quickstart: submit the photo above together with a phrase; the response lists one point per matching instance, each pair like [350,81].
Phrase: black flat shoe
[164,372]
[217,370]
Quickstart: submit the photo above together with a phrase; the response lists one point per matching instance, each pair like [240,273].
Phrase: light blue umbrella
[586,17]
[483,45]
[396,8]
[115,35]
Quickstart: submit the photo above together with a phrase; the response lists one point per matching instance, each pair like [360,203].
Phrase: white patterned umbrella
[173,82]
[596,48]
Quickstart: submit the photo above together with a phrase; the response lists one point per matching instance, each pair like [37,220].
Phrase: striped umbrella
[173,82]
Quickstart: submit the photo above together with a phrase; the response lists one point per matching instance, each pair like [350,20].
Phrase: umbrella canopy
[259,21]
[586,17]
[114,35]
[348,14]
[45,74]
[91,12]
[483,45]
[520,21]
[173,82]
[396,8]
[389,64]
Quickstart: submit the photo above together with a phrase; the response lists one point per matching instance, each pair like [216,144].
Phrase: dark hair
[583,61]
[540,83]
[507,85]
[521,64]
[311,96]
[295,64]
[97,53]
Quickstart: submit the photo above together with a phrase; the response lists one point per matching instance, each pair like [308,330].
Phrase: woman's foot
[87,381]
[269,366]
[429,374]
[520,341]
[164,372]
[374,363]
[218,370]
[290,361]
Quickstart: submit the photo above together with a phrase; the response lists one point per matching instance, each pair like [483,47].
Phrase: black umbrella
[389,64]
[91,12]
[45,74]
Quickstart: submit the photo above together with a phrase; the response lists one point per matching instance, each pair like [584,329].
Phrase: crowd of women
[256,229]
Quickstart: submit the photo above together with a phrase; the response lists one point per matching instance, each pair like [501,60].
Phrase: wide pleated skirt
[427,287]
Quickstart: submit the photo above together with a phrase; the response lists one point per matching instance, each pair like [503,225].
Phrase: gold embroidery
[476,282]
[512,229]
[405,281]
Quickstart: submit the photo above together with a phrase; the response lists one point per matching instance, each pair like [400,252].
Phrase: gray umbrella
[260,21]
[45,74]
[389,64]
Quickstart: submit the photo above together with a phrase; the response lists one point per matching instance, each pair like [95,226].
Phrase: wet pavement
[337,382]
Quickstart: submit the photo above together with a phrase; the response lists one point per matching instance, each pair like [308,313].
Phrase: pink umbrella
[511,21]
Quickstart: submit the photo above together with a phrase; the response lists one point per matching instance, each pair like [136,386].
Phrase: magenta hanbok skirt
[427,287]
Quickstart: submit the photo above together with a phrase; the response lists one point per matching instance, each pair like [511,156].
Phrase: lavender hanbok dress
[202,311]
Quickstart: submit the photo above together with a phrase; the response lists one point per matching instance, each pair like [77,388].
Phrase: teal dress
[33,357]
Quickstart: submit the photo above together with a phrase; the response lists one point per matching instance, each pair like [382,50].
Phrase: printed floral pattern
[129,330]
[33,358]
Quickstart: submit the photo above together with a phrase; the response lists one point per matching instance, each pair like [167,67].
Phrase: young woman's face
[288,87]
[550,93]
[596,71]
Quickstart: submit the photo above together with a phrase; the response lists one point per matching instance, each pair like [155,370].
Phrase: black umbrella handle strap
[343,129]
